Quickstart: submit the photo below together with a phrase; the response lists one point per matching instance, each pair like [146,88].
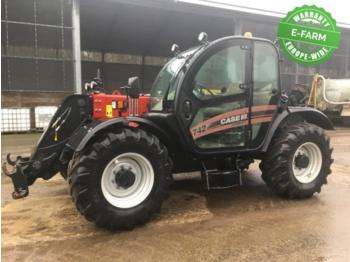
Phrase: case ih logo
[232,119]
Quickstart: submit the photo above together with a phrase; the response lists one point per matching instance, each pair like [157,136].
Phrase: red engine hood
[107,106]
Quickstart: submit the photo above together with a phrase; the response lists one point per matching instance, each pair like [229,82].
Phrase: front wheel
[298,161]
[63,173]
[122,179]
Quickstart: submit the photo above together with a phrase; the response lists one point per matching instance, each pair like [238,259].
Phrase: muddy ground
[243,224]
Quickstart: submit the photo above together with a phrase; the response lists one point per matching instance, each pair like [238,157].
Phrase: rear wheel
[121,180]
[298,161]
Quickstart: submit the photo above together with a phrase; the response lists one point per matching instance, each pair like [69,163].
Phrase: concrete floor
[243,224]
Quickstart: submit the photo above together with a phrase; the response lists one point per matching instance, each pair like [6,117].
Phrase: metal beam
[76,47]
[177,6]
[37,57]
[34,24]
[347,60]
[238,26]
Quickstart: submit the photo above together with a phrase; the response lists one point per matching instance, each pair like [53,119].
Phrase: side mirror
[134,87]
[203,38]
[175,49]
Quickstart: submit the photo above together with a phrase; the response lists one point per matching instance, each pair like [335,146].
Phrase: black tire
[86,171]
[64,174]
[277,166]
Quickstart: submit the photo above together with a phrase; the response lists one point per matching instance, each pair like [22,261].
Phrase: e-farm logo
[308,35]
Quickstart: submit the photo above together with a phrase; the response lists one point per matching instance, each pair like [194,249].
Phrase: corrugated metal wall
[36,45]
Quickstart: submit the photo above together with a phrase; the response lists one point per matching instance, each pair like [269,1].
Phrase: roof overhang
[277,9]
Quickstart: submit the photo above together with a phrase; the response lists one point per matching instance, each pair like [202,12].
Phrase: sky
[339,9]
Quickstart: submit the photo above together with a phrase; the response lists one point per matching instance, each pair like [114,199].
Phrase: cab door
[213,103]
[265,90]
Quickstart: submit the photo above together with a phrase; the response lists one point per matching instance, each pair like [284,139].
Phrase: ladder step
[221,179]
[221,172]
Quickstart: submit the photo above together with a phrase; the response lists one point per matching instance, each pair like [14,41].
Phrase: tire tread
[274,168]
[93,207]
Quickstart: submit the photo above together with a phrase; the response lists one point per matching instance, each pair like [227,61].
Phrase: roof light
[248,34]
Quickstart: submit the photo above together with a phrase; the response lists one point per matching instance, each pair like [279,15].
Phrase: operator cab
[223,94]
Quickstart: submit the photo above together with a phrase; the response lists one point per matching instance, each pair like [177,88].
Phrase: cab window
[221,74]
[265,84]
[265,73]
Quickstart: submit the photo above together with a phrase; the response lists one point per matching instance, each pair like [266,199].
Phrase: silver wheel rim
[311,171]
[140,188]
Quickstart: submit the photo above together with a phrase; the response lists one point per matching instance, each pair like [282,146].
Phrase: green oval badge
[308,35]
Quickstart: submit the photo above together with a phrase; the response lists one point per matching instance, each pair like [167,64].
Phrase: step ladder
[221,179]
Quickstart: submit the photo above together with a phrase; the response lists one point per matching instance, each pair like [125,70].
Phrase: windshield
[164,83]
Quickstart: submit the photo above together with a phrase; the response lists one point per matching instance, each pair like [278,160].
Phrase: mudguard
[86,133]
[309,114]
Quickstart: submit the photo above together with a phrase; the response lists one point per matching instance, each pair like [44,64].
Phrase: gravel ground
[242,224]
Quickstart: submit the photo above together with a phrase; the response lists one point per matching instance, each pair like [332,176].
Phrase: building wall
[37,66]
[31,99]
[116,74]
[36,45]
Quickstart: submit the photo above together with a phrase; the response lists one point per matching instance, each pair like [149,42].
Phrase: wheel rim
[127,180]
[307,162]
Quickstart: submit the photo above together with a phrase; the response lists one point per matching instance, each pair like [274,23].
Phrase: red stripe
[258,116]
[234,113]
[255,120]
[263,108]
[219,117]
[206,123]
[261,119]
